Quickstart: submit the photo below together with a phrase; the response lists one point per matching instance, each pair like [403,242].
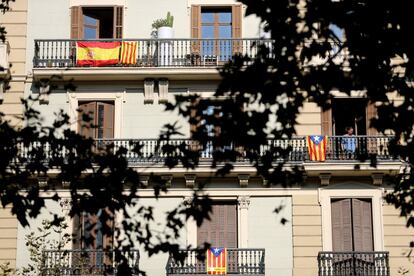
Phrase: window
[221,229]
[100,115]
[352,225]
[348,112]
[96,22]
[216,23]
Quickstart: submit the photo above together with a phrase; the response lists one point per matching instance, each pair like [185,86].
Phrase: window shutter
[341,225]
[106,112]
[118,21]
[86,128]
[76,31]
[195,27]
[362,225]
[326,122]
[236,24]
[371,113]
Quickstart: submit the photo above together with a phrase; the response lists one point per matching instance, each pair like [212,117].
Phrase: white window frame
[375,195]
[116,97]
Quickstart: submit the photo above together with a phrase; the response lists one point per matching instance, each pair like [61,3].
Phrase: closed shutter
[76,31]
[105,120]
[195,27]
[221,230]
[86,128]
[362,225]
[236,24]
[341,217]
[118,21]
[326,122]
[371,113]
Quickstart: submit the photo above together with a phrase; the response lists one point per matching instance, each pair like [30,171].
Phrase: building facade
[337,209]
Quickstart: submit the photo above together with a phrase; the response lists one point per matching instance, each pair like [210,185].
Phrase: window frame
[358,191]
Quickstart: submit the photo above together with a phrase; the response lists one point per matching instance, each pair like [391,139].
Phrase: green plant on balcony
[162,22]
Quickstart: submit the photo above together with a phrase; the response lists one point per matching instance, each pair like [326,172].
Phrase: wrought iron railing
[353,264]
[338,149]
[86,262]
[55,53]
[239,261]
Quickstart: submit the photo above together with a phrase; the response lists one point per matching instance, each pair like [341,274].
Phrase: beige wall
[8,237]
[309,120]
[307,234]
[397,238]
[15,23]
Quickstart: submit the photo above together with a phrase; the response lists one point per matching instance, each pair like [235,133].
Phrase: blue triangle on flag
[316,139]
[217,251]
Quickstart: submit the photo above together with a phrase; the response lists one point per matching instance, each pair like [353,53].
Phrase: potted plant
[162,29]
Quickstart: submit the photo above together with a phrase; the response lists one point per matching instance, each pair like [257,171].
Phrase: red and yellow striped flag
[129,52]
[316,147]
[217,261]
[97,53]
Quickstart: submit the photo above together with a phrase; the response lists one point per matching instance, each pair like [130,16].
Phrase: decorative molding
[42,181]
[377,178]
[325,178]
[190,180]
[163,90]
[65,203]
[168,179]
[243,202]
[144,180]
[243,180]
[149,91]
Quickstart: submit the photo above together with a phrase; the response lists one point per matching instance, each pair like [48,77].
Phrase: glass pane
[207,17]
[224,31]
[225,17]
[207,31]
[90,20]
[101,114]
[89,33]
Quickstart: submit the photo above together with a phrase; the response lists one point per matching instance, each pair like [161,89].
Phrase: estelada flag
[316,147]
[97,53]
[217,261]
[129,52]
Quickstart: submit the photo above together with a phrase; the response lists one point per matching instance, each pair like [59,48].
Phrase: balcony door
[352,225]
[221,229]
[96,119]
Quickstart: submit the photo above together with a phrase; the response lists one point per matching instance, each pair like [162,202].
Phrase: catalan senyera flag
[316,147]
[97,53]
[217,261]
[129,52]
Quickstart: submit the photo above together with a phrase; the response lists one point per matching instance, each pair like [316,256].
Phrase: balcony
[85,262]
[353,264]
[239,261]
[152,151]
[170,58]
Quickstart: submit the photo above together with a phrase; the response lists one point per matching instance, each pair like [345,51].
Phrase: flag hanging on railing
[217,261]
[129,52]
[316,147]
[97,53]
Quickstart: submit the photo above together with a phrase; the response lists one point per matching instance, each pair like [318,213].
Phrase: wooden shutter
[371,112]
[362,225]
[76,31]
[105,120]
[341,225]
[326,122]
[87,128]
[221,229]
[236,28]
[118,21]
[195,27]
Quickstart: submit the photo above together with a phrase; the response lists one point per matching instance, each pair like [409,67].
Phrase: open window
[96,119]
[96,22]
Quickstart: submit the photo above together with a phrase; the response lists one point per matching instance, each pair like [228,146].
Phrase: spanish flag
[129,52]
[90,53]
[316,147]
[217,261]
